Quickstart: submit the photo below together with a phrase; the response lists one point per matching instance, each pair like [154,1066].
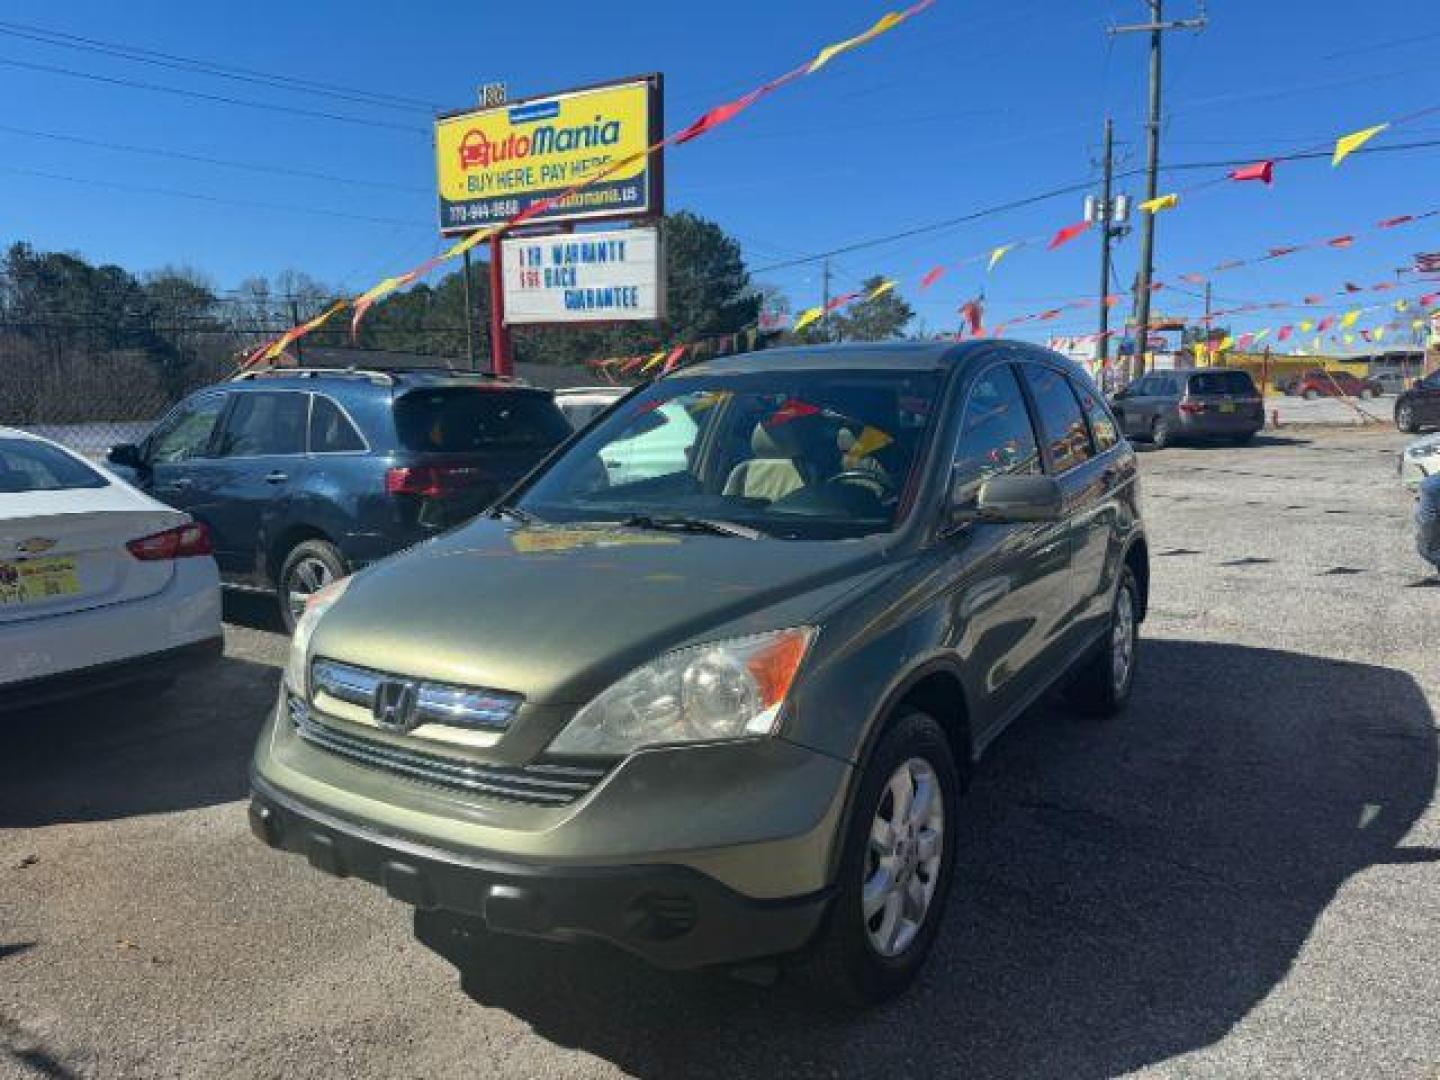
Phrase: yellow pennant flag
[464,244]
[1306,326]
[1226,342]
[808,316]
[880,290]
[997,254]
[1161,202]
[653,361]
[866,443]
[885,22]
[1346,145]
[1416,324]
[1349,318]
[1401,305]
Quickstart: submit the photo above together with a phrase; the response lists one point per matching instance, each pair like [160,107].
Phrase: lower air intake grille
[541,785]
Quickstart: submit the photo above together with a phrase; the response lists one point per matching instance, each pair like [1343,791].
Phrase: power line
[207,67]
[179,155]
[135,84]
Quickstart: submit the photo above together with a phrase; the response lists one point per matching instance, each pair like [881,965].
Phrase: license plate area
[37,580]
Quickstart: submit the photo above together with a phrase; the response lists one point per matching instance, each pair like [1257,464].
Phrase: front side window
[186,433]
[812,454]
[263,424]
[1061,422]
[1102,424]
[28,465]
[996,437]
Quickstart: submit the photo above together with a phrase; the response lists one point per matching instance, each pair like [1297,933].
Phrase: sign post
[502,359]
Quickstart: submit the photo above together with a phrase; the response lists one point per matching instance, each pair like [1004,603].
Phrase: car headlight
[297,668]
[723,690]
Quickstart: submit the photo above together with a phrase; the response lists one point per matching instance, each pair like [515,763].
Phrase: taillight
[430,481]
[1192,407]
[180,542]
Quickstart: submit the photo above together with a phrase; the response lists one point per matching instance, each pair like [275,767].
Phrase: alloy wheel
[902,863]
[1122,639]
[307,577]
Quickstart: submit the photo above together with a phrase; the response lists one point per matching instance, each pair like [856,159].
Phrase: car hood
[558,613]
[1422,446]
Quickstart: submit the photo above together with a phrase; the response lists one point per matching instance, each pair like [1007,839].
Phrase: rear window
[459,419]
[1222,382]
[35,466]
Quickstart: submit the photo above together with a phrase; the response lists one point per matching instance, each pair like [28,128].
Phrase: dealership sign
[492,164]
[610,276]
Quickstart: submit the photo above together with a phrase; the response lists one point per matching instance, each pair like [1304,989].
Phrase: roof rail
[383,375]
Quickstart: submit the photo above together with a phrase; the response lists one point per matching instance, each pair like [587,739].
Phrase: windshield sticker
[540,541]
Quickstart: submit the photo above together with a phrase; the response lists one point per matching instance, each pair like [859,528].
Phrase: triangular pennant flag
[1160,202]
[885,22]
[1391,222]
[1284,333]
[659,356]
[1341,241]
[1325,323]
[1226,342]
[806,317]
[1379,333]
[1264,171]
[1346,145]
[880,290]
[1065,235]
[841,300]
[1306,326]
[931,276]
[673,359]
[996,254]
[1349,318]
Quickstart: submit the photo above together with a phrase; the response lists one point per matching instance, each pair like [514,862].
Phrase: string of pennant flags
[706,122]
[669,358]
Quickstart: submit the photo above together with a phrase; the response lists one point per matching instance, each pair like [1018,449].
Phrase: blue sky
[967,106]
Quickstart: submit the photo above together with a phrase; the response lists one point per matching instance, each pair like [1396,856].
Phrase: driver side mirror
[1008,499]
[127,455]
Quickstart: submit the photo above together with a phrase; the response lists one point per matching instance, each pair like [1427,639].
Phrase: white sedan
[99,584]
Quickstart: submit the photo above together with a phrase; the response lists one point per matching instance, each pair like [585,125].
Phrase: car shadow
[258,611]
[1128,890]
[137,750]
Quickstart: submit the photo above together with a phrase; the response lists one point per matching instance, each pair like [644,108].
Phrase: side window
[331,431]
[660,445]
[1060,421]
[1102,424]
[265,423]
[996,435]
[186,433]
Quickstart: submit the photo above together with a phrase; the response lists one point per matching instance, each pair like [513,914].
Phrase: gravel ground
[1236,878]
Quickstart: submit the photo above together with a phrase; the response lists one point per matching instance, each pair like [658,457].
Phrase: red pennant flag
[1111,300]
[841,300]
[793,409]
[1046,316]
[673,359]
[1351,287]
[1340,241]
[1279,252]
[1284,333]
[973,312]
[1193,279]
[1065,235]
[1429,298]
[1391,222]
[719,114]
[1326,323]
[1314,299]
[1156,286]
[1244,341]
[931,276]
[1264,171]
[1384,286]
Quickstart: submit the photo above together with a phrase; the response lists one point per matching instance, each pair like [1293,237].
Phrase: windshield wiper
[514,512]
[711,526]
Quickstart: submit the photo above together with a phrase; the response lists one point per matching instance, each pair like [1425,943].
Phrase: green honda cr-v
[708,684]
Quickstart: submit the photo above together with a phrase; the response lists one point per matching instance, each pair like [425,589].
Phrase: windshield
[26,465]
[459,419]
[799,454]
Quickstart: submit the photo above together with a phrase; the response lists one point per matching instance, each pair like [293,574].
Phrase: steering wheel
[880,482]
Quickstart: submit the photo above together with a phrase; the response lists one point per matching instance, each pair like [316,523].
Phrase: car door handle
[276,477]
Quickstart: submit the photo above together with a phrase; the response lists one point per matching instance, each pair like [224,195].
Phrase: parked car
[100,586]
[1419,407]
[1320,383]
[724,707]
[1391,382]
[304,476]
[581,404]
[1209,404]
[1418,460]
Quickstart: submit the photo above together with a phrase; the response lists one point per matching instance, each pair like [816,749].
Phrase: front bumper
[672,916]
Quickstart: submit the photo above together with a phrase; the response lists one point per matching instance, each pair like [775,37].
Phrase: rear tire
[310,566]
[1405,418]
[1103,683]
[897,865]
[1242,440]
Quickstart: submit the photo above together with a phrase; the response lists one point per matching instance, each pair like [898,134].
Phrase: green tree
[880,319]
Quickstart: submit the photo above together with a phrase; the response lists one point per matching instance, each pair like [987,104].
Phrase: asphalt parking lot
[1241,876]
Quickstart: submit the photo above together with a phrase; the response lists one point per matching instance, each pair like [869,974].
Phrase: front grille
[540,784]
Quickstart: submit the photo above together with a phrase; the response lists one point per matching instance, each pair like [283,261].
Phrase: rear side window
[186,433]
[260,424]
[458,419]
[996,437]
[1102,424]
[1222,382]
[1061,422]
[35,466]
[331,431]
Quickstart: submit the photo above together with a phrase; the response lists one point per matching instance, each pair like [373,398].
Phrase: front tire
[896,869]
[310,566]
[1162,435]
[1103,684]
[1405,418]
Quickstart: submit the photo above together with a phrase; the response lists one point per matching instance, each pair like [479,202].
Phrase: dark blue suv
[305,475]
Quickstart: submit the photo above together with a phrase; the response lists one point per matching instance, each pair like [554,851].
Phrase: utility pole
[825,299]
[1156,28]
[1103,341]
[295,321]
